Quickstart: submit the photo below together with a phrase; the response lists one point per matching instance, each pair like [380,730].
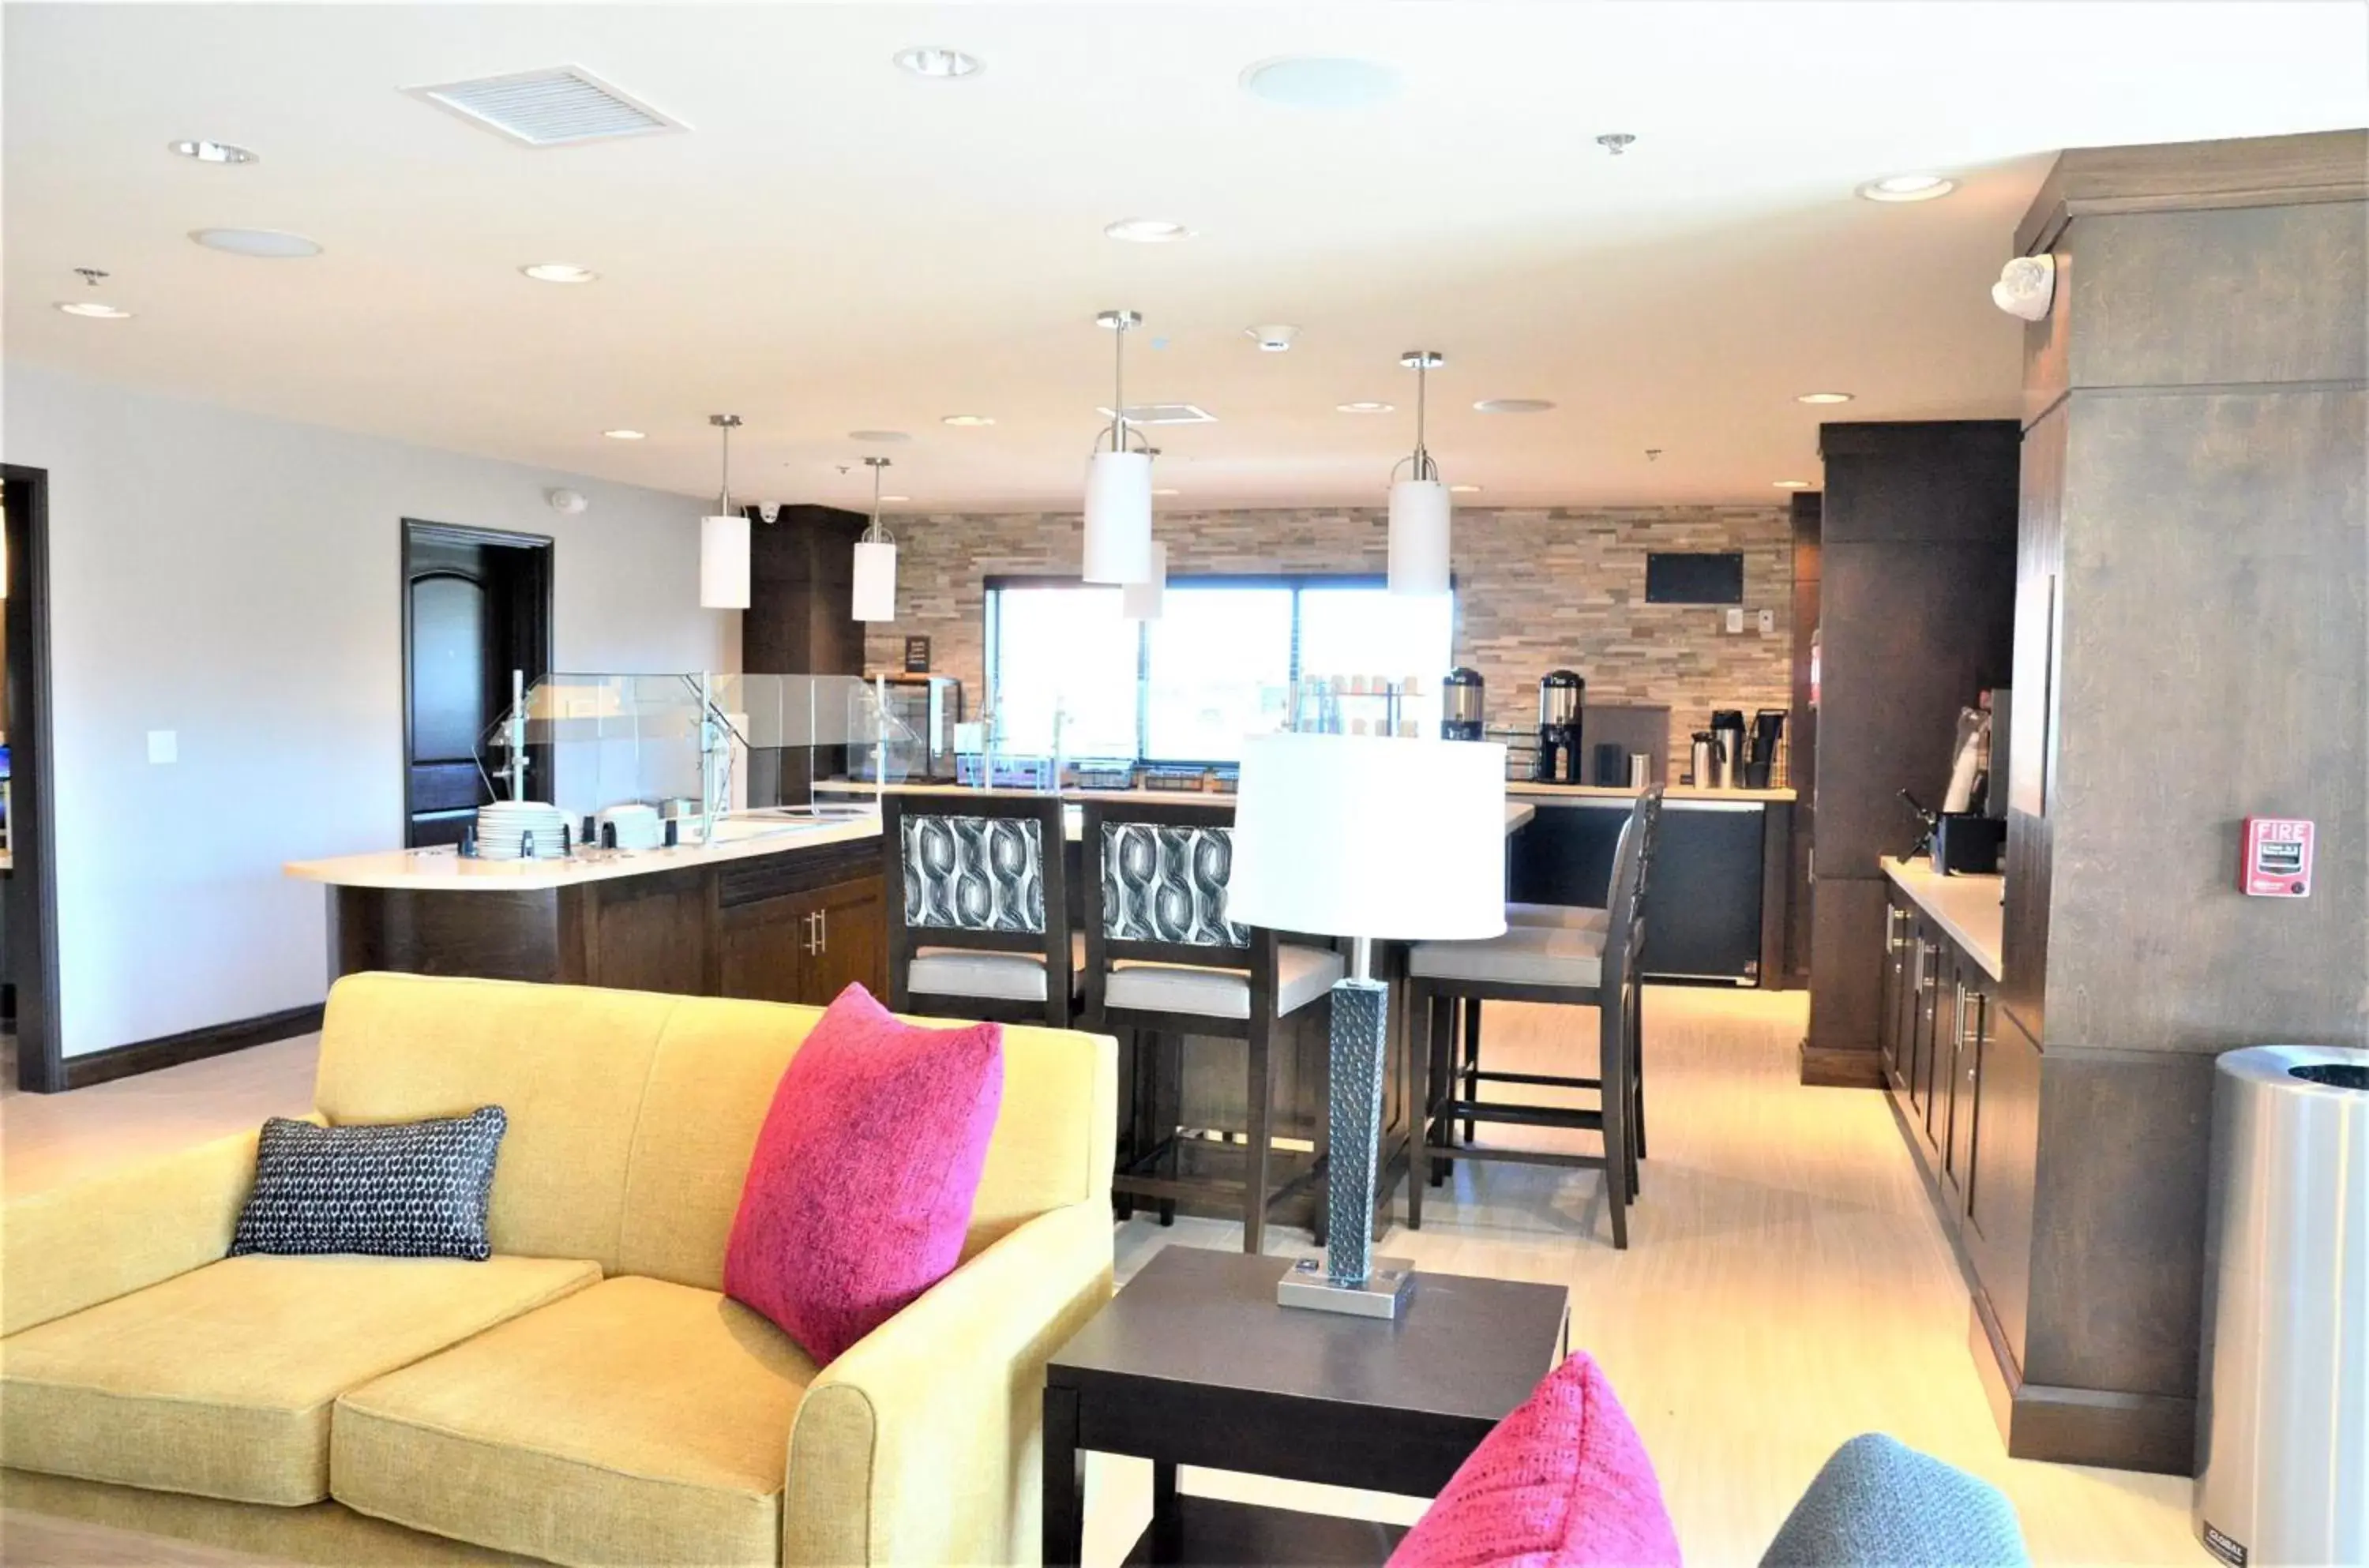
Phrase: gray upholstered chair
[1879,1504]
[1164,964]
[979,908]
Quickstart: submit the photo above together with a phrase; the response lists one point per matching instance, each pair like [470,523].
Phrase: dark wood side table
[1194,1363]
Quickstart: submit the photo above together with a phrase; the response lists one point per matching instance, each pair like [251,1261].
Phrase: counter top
[443,870]
[1965,907]
[1675,794]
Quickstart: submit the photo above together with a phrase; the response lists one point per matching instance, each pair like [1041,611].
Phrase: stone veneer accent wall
[1538,589]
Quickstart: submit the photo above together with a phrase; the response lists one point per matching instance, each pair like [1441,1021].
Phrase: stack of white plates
[505,826]
[637,826]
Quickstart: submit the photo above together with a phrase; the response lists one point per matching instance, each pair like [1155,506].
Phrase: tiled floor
[1786,1284]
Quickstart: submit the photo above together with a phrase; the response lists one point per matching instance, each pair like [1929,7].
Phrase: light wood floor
[1786,1285]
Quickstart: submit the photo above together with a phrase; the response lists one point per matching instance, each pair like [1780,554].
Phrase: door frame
[541,549]
[32,896]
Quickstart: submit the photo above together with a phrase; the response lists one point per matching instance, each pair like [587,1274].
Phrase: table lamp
[1368,838]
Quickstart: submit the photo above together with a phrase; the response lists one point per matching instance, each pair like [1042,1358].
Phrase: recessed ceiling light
[1365,405]
[1466,489]
[1908,188]
[1792,483]
[967,420]
[622,435]
[1823,397]
[1166,492]
[1512,405]
[878,436]
[1312,80]
[896,498]
[559,272]
[939,64]
[94,309]
[1146,231]
[212,152]
[271,245]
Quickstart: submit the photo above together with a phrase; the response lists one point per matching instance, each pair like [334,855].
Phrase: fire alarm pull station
[2278,858]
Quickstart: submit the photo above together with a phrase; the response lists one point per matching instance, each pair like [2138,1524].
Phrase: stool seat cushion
[1301,975]
[1525,955]
[1003,977]
[1571,917]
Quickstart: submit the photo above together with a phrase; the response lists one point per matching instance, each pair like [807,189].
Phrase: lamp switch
[164,745]
[1735,620]
[1768,623]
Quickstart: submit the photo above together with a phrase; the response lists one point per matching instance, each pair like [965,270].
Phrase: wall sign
[2278,858]
[917,655]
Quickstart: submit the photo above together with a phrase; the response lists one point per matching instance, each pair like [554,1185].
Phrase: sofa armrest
[90,1240]
[923,1443]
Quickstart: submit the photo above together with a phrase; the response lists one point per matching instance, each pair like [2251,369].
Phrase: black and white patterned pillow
[400,1190]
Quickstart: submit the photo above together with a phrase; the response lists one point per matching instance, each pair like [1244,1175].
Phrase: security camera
[566,503]
[2026,287]
[1272,339]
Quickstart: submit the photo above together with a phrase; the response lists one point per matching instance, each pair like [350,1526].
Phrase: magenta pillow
[860,1191]
[1563,1481]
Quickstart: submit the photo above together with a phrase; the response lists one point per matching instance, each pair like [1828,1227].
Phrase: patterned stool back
[1165,882]
[983,874]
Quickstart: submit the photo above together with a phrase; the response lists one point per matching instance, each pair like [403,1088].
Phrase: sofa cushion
[637,1422]
[219,1381]
[1561,1483]
[407,1190]
[859,1193]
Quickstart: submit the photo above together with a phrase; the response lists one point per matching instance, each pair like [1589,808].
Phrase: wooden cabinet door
[850,940]
[762,948]
[1941,1034]
[1966,1099]
[1924,955]
[1891,1031]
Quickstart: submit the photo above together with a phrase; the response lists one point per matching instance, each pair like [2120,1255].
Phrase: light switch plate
[164,745]
[1735,620]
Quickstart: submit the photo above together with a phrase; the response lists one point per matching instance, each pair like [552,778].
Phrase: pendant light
[875,560]
[724,538]
[1419,503]
[1143,600]
[1118,484]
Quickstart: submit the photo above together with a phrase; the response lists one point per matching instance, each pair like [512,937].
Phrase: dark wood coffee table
[1194,1363]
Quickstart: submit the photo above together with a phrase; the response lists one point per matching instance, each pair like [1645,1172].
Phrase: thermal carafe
[1760,758]
[1699,764]
[1462,716]
[2283,1429]
[1560,694]
[1727,748]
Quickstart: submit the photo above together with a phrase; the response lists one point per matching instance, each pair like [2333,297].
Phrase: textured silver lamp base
[1381,1294]
[1351,1280]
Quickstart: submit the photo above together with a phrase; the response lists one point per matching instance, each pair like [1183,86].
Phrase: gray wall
[1536,589]
[236,580]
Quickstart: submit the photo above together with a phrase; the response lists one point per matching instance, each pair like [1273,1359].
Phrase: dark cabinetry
[804,946]
[801,614]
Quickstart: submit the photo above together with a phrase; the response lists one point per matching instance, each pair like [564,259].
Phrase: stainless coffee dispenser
[1560,694]
[1462,716]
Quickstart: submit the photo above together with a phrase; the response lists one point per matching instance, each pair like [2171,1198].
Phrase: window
[1217,666]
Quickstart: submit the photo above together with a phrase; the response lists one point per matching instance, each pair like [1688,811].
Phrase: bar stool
[1540,963]
[1647,815]
[1163,961]
[979,908]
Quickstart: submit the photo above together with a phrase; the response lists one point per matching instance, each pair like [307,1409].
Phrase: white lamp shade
[1142,601]
[1118,517]
[1371,836]
[1419,514]
[724,562]
[875,581]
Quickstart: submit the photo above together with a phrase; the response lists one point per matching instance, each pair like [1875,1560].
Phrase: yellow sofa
[588,1395]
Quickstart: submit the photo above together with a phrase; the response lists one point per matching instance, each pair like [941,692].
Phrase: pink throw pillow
[860,1191]
[1561,1483]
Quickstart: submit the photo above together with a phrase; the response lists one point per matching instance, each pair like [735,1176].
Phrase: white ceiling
[838,245]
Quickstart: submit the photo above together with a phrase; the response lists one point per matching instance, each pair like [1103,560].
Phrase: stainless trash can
[2283,1406]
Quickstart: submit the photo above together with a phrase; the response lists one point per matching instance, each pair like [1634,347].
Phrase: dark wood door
[851,941]
[762,948]
[1895,988]
[1924,960]
[477,605]
[1966,1090]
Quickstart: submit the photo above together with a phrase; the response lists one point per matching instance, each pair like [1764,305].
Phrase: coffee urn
[1560,694]
[1460,709]
[1727,748]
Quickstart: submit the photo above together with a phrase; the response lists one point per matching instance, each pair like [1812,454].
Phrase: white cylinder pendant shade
[1370,836]
[875,581]
[724,562]
[1142,601]
[1118,517]
[1419,535]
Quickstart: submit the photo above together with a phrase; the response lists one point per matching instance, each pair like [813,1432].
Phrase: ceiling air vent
[1164,414]
[555,107]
